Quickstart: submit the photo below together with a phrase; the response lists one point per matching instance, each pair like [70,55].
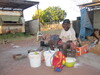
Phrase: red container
[82,50]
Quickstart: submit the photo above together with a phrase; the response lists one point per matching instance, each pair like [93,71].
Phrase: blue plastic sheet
[86,28]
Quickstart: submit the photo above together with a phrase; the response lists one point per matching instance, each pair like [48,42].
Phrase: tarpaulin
[86,28]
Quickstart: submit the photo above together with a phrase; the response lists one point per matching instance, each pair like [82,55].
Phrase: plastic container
[35,59]
[48,55]
[70,62]
[39,36]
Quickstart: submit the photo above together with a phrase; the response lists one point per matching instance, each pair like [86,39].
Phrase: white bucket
[48,55]
[35,59]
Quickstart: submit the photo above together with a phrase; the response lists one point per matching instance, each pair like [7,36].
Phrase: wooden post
[39,33]
[38,17]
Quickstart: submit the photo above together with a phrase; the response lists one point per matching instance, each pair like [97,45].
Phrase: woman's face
[66,26]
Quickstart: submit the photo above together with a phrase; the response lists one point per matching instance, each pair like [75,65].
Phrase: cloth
[58,60]
[86,28]
[67,35]
[54,37]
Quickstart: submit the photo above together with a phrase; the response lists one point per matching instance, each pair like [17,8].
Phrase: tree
[51,15]
[37,14]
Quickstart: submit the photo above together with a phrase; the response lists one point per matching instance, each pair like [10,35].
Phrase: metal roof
[16,5]
[92,4]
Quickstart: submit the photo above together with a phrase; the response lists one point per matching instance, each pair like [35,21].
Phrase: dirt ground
[9,66]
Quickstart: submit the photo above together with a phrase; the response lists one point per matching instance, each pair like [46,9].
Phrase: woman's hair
[66,21]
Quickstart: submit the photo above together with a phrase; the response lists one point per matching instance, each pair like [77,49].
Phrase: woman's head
[66,24]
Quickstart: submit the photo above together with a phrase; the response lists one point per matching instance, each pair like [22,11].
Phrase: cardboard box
[82,50]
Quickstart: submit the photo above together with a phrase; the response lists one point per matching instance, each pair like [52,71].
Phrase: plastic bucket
[39,36]
[48,55]
[70,62]
[35,59]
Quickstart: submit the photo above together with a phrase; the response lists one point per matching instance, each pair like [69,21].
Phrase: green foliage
[13,36]
[51,15]
[37,14]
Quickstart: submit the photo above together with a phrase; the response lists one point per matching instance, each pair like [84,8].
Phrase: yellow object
[35,53]
[0,29]
[63,63]
[70,62]
[56,56]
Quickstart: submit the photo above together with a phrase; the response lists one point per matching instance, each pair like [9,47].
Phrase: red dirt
[9,66]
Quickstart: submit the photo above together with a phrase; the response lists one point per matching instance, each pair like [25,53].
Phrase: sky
[70,7]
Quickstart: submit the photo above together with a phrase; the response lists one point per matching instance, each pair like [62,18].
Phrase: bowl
[70,61]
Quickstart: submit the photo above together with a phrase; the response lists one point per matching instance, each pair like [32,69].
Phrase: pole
[38,17]
[39,34]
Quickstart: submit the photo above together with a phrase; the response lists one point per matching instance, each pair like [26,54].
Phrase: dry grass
[51,27]
[52,31]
